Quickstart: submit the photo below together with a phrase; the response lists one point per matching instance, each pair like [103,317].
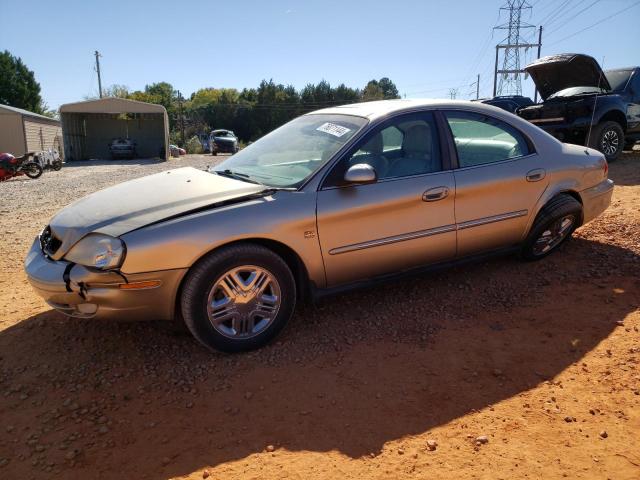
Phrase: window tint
[405,146]
[481,139]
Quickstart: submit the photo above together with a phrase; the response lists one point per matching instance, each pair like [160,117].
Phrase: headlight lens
[97,250]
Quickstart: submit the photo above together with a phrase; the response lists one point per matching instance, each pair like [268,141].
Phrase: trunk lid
[557,72]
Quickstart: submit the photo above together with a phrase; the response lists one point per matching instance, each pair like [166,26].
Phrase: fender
[570,186]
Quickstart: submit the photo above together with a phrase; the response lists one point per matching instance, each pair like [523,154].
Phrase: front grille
[48,242]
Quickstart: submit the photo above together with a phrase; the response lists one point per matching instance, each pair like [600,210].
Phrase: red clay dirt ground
[540,360]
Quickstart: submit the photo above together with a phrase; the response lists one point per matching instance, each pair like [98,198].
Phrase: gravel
[350,375]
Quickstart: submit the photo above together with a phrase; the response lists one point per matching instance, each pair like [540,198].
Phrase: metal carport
[89,127]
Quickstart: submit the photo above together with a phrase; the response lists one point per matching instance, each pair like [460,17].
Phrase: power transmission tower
[97,54]
[453,93]
[508,79]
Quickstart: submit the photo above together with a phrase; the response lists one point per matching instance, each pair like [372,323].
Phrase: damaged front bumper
[78,291]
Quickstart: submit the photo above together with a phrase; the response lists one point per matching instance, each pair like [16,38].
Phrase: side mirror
[360,173]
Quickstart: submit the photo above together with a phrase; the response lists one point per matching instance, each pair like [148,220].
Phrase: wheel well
[615,116]
[290,257]
[577,197]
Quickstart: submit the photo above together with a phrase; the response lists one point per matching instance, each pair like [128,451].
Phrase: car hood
[131,205]
[557,72]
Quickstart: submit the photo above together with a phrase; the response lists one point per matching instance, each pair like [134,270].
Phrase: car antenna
[593,113]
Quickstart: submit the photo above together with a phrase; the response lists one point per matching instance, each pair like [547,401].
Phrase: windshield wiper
[246,178]
[237,175]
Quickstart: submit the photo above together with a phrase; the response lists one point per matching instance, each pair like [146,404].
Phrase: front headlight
[97,250]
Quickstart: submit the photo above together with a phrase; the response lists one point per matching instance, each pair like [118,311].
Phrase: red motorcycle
[11,166]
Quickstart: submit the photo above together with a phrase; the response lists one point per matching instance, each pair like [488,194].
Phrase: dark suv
[223,141]
[584,105]
[510,103]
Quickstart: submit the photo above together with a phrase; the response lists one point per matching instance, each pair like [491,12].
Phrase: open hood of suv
[557,72]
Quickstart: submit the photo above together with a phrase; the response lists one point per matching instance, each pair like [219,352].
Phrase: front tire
[238,298]
[608,138]
[553,226]
[33,170]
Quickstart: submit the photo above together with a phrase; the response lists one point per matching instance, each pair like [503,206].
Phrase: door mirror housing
[361,173]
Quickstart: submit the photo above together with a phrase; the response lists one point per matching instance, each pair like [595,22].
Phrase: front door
[402,220]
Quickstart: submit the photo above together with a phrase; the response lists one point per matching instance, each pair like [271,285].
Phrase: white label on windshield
[333,129]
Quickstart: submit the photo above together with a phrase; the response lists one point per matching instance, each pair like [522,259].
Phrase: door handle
[435,194]
[535,175]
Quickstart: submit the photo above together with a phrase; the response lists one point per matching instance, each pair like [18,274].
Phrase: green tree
[383,89]
[117,91]
[18,86]
[372,91]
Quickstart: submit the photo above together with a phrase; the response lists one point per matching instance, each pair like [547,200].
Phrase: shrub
[193,145]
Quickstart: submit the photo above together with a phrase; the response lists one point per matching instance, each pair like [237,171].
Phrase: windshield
[573,91]
[287,156]
[221,133]
[618,79]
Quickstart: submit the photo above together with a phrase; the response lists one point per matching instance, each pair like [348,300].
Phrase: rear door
[402,220]
[498,179]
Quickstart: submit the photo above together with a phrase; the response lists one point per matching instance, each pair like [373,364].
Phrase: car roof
[380,108]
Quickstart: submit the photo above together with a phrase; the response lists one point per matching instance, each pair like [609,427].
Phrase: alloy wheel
[244,301]
[610,142]
[553,235]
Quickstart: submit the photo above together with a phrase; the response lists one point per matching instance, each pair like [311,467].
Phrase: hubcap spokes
[553,235]
[243,301]
[610,142]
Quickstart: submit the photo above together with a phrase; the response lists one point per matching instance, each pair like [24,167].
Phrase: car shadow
[350,374]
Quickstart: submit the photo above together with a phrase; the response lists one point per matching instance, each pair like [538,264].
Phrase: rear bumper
[89,293]
[596,200]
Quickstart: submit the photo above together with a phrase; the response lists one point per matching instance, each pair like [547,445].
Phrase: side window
[636,86]
[405,146]
[481,139]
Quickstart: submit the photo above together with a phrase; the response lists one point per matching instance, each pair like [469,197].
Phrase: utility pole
[181,117]
[97,54]
[508,79]
[535,95]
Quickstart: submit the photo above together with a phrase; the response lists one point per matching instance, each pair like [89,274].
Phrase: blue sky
[425,47]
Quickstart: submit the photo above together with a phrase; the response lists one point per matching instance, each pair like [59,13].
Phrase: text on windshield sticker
[333,129]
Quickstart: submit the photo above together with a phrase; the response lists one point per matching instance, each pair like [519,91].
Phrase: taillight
[605,168]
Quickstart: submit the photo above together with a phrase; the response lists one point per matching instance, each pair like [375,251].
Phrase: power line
[553,12]
[573,17]
[596,23]
[567,12]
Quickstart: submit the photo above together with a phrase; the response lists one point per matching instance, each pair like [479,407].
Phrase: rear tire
[553,226]
[238,298]
[608,138]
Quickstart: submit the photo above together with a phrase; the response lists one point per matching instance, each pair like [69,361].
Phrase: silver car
[331,200]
